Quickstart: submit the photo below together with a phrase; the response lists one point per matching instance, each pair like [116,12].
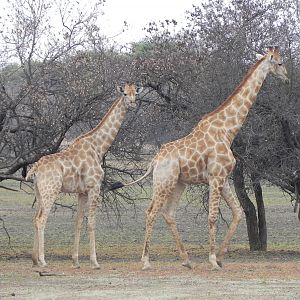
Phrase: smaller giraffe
[77,169]
[204,156]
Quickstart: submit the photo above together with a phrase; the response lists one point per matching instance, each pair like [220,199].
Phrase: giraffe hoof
[42,265]
[216,268]
[96,267]
[220,264]
[187,264]
[76,266]
[146,267]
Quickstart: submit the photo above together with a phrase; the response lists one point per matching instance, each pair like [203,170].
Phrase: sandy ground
[259,280]
[274,276]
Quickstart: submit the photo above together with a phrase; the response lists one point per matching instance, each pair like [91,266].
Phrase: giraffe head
[276,67]
[129,92]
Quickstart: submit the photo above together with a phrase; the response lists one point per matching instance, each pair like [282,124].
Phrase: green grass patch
[273,196]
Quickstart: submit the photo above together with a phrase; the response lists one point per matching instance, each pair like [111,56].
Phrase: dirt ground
[274,274]
[271,278]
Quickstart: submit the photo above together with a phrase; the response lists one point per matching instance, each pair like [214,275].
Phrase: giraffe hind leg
[35,250]
[151,215]
[166,201]
[45,201]
[38,212]
[40,224]
[165,177]
[169,215]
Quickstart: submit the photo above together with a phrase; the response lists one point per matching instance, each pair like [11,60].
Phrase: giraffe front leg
[78,224]
[212,241]
[215,186]
[93,197]
[235,207]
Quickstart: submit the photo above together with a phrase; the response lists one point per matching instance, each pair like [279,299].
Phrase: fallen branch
[5,229]
[46,273]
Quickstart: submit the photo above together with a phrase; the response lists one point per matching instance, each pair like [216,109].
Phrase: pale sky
[138,13]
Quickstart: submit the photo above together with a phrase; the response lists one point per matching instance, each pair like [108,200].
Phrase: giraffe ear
[139,89]
[259,56]
[120,89]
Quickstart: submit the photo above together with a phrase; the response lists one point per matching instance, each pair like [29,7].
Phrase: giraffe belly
[194,179]
[193,170]
[73,183]
[80,183]
[70,186]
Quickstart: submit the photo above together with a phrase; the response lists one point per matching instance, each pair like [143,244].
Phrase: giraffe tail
[118,184]
[31,172]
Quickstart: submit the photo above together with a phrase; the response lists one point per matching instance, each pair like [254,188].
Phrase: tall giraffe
[204,156]
[77,169]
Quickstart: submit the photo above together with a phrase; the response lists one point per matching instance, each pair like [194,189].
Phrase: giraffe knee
[148,211]
[80,221]
[212,220]
[39,217]
[169,219]
[149,221]
[91,225]
[238,214]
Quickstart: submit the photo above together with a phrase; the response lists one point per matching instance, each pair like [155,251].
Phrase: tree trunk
[248,207]
[262,225]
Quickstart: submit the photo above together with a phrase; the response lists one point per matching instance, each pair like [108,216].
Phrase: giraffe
[204,156]
[77,169]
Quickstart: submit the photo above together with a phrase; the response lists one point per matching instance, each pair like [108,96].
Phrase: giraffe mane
[237,89]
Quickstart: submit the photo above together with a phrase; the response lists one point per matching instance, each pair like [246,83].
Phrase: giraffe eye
[125,94]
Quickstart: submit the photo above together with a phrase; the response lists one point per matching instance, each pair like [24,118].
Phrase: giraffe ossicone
[77,169]
[204,156]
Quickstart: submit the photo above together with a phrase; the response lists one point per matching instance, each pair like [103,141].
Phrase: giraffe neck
[232,113]
[102,136]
